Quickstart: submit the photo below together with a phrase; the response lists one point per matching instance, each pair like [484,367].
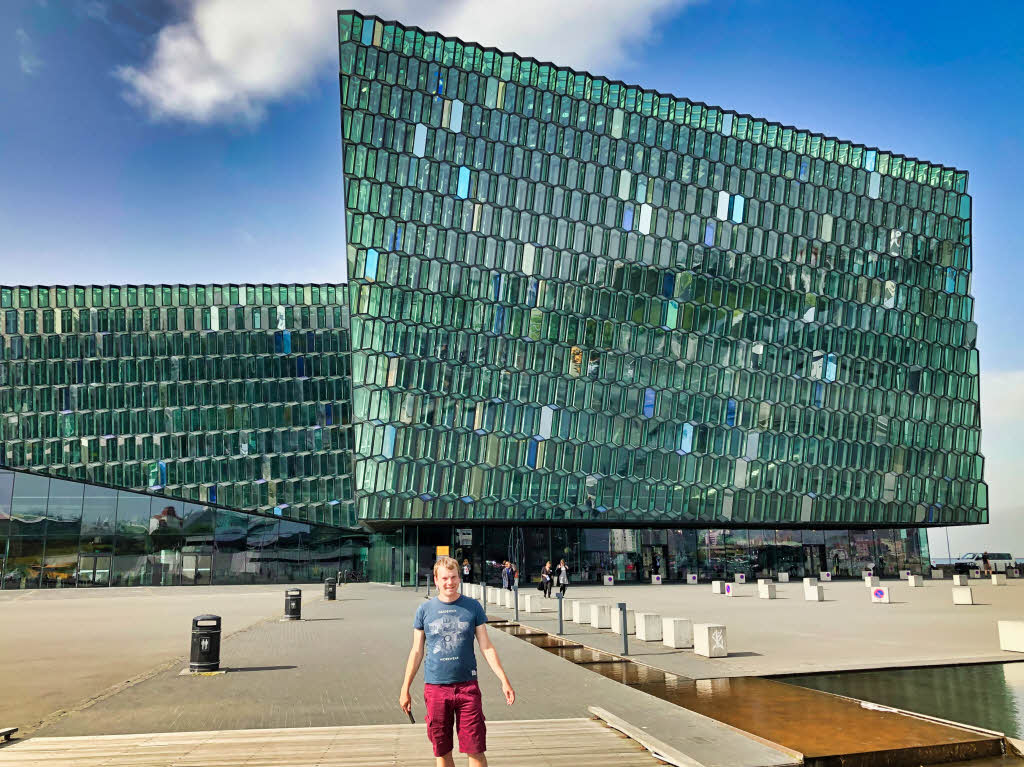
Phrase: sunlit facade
[579,303]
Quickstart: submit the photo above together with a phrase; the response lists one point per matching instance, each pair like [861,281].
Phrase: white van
[997,561]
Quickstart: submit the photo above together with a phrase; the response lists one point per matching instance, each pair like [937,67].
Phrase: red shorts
[456,704]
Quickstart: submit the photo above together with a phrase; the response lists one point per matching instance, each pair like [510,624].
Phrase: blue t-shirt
[450,628]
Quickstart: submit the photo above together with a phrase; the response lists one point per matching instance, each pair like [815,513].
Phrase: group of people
[549,576]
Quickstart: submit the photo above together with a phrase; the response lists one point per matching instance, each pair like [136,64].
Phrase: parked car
[998,561]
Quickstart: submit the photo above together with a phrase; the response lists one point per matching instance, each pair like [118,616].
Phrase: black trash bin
[293,604]
[330,589]
[205,654]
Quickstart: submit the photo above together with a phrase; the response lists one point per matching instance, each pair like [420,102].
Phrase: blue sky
[198,140]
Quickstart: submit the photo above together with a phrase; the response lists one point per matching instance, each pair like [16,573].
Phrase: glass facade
[58,532]
[631,554]
[581,318]
[581,301]
[237,395]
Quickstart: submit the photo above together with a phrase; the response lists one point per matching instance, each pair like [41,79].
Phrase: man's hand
[510,694]
[405,701]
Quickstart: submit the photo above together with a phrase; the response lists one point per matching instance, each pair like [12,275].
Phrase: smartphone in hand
[409,714]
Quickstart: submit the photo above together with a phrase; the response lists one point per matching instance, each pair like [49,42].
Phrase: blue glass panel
[730,412]
[737,208]
[531,454]
[649,398]
[627,217]
[668,285]
[709,234]
[869,159]
[389,441]
[950,280]
[372,257]
[367,37]
[463,190]
[419,142]
[830,367]
[685,438]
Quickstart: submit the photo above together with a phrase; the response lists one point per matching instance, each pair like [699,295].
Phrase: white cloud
[28,59]
[228,59]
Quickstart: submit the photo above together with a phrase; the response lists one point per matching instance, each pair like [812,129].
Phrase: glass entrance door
[814,559]
[93,570]
[196,569]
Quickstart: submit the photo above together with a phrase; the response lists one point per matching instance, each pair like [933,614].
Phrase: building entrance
[814,559]
[93,570]
[654,559]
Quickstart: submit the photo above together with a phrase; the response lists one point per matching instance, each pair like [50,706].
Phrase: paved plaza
[788,635]
[340,666]
[105,662]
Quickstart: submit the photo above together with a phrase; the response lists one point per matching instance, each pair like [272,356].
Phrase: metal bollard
[625,634]
[560,629]
[293,604]
[330,589]
[515,599]
[205,655]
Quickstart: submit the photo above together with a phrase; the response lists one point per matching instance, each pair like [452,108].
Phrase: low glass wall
[59,533]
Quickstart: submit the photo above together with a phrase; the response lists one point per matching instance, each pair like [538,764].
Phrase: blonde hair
[447,563]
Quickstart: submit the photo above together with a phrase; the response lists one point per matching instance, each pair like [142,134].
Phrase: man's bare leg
[477,760]
[448,760]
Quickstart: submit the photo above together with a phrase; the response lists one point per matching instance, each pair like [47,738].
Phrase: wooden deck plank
[534,743]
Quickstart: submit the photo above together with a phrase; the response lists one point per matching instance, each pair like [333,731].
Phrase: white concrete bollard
[601,616]
[959,580]
[691,579]
[814,593]
[567,608]
[881,595]
[655,579]
[609,580]
[709,640]
[962,595]
[648,627]
[871,581]
[766,590]
[763,581]
[677,632]
[938,575]
[783,577]
[581,612]
[617,621]
[717,587]
[508,599]
[1012,572]
[1011,635]
[740,578]
[534,603]
[915,581]
[975,573]
[732,589]
[998,579]
[866,573]
[825,576]
[904,574]
[810,582]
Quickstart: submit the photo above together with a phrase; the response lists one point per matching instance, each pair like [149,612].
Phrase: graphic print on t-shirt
[446,631]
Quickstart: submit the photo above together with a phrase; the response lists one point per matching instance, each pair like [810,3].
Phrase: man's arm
[491,654]
[411,667]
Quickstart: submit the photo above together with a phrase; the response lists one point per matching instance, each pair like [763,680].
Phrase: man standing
[443,631]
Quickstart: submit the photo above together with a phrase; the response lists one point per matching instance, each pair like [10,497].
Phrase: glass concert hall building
[581,319]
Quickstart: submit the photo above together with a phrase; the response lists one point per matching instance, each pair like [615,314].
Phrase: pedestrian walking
[985,566]
[547,579]
[505,575]
[443,632]
[562,572]
[467,571]
[513,575]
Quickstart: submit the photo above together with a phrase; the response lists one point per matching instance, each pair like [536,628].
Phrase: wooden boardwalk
[532,743]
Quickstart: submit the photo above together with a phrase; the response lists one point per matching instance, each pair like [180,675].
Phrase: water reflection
[990,696]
